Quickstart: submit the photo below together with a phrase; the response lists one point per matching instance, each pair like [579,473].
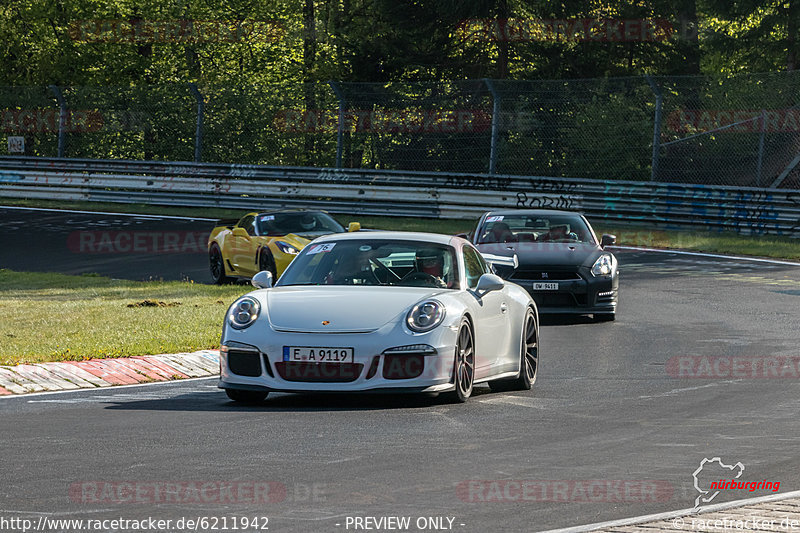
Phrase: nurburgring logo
[710,487]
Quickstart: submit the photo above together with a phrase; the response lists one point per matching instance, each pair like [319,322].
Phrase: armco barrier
[381,192]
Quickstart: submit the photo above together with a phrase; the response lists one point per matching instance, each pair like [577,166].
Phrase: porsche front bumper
[260,364]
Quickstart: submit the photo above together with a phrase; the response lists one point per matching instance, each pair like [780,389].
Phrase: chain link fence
[741,131]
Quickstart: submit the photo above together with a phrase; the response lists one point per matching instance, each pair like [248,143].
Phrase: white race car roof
[435,238]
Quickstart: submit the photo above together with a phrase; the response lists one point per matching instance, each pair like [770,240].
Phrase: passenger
[500,232]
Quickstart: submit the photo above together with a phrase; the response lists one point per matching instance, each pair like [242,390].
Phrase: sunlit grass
[55,317]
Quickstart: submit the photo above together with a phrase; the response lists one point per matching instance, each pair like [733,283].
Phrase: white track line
[104,213]
[109,389]
[676,514]
[703,254]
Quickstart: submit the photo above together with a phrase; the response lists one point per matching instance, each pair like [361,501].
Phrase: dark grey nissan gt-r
[561,262]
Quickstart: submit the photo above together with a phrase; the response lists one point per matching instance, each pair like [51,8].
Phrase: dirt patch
[154,303]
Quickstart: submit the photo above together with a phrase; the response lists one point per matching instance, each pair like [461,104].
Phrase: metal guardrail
[398,193]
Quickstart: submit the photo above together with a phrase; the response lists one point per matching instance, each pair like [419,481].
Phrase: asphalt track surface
[131,247]
[605,407]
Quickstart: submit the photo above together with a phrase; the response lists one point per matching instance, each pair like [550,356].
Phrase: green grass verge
[727,243]
[56,317]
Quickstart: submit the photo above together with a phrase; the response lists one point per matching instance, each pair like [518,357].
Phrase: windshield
[374,262]
[535,228]
[273,224]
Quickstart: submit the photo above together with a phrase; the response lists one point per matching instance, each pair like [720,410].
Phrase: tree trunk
[792,27]
[689,42]
[309,59]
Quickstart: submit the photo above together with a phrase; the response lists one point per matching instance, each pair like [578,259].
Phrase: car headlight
[244,312]
[605,265]
[425,316]
[286,248]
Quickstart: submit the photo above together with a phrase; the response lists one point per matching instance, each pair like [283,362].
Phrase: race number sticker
[321,248]
[495,218]
[267,218]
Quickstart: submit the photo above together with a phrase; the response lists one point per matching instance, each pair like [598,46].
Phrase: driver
[430,263]
[308,222]
[559,233]
[353,268]
[500,232]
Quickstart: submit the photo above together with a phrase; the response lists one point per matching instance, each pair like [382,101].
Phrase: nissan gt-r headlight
[425,316]
[286,248]
[244,312]
[605,265]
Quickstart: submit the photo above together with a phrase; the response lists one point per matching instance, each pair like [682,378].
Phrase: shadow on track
[291,402]
[564,320]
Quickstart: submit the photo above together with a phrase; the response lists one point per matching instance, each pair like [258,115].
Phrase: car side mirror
[463,235]
[489,283]
[262,280]
[608,240]
[354,226]
[239,232]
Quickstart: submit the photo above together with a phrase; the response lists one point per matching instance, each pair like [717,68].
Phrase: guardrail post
[198,133]
[656,127]
[340,127]
[62,117]
[760,163]
[495,125]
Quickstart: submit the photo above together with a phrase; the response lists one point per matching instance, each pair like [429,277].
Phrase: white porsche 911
[381,311]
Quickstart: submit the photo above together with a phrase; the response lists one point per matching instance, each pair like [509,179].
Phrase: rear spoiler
[502,260]
[227,222]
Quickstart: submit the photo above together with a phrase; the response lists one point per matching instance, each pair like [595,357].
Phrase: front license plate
[316,354]
[545,286]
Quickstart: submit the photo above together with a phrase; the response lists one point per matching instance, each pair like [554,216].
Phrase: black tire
[217,266]
[605,317]
[464,363]
[246,396]
[267,262]
[529,358]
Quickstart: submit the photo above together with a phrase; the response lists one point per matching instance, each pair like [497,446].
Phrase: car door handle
[503,307]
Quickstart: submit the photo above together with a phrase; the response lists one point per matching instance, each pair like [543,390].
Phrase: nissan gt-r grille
[243,363]
[319,372]
[545,275]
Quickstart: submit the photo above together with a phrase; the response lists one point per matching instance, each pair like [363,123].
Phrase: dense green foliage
[58,42]
[573,92]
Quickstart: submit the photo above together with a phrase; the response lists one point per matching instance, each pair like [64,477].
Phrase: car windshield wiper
[300,283]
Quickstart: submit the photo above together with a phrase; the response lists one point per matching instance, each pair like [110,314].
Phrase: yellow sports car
[265,241]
